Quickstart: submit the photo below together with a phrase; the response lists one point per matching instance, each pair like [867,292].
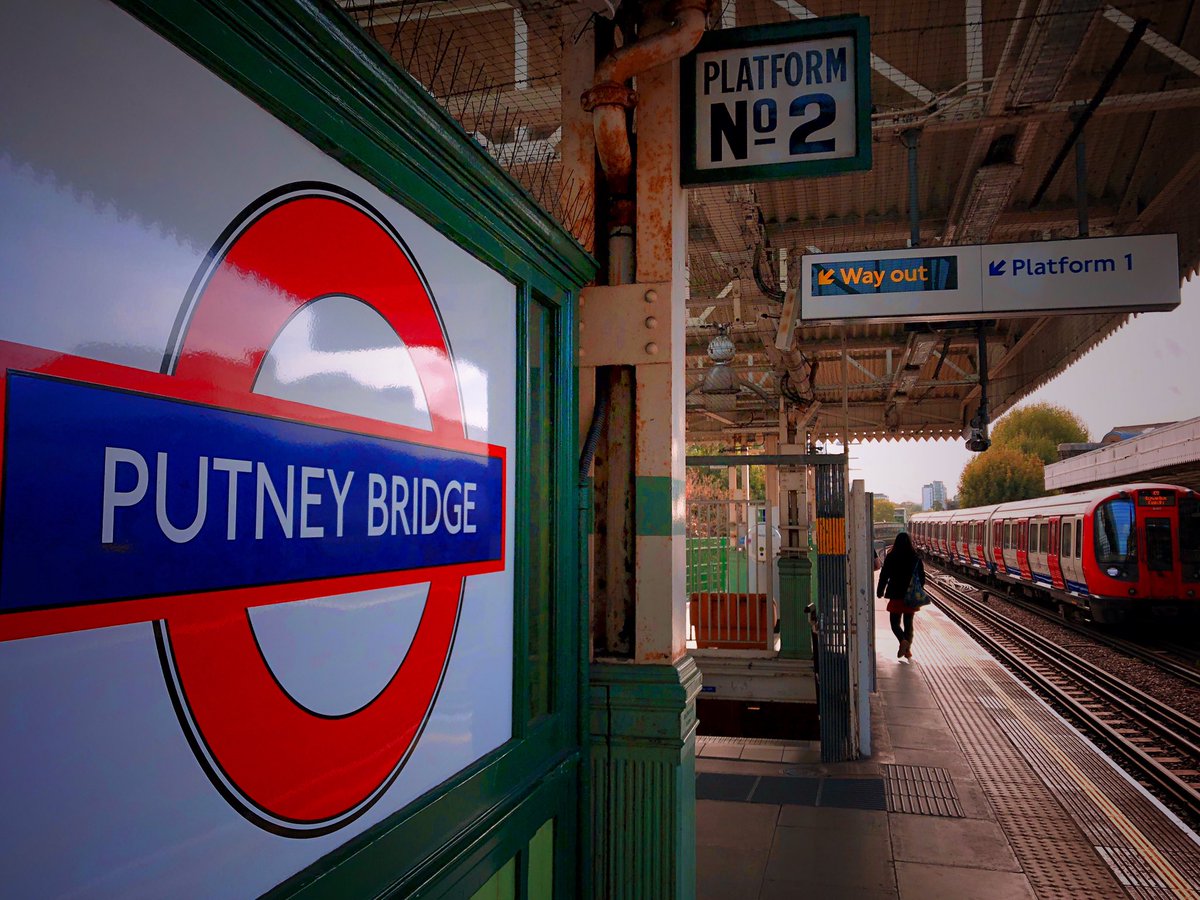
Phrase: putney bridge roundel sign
[185,498]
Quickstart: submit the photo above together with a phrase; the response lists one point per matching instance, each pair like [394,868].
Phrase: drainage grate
[853,793]
[840,793]
[793,791]
[922,790]
[713,786]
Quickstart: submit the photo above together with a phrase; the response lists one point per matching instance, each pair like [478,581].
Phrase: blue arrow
[996,268]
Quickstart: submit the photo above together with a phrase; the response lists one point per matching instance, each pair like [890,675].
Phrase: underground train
[1114,554]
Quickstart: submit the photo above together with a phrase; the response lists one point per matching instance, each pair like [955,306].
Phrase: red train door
[1023,549]
[1052,558]
[1158,563]
[1157,520]
[998,546]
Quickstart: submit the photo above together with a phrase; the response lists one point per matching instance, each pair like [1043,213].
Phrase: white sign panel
[777,101]
[1132,273]
[1136,272]
[256,590]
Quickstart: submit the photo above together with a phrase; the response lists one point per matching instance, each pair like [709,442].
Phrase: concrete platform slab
[810,856]
[970,843]
[914,696]
[762,754]
[798,755]
[788,890]
[952,760]
[916,880]
[735,826]
[855,821]
[722,885]
[920,737]
[917,717]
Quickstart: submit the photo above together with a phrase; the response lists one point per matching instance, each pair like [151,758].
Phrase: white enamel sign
[779,101]
[256,586]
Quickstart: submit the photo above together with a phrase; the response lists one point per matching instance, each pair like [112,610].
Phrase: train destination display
[778,101]
[1134,272]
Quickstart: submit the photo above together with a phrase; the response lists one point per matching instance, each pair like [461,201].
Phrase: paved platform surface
[974,789]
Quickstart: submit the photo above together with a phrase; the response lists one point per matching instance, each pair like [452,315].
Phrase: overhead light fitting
[720,386]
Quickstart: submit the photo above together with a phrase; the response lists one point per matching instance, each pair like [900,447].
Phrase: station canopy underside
[990,89]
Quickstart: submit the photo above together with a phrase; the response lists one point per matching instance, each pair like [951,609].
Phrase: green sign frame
[855,27]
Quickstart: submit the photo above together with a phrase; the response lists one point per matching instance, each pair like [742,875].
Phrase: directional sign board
[1132,273]
[789,100]
[1139,272]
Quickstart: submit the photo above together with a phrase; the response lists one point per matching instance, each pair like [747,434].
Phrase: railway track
[1187,670]
[1157,744]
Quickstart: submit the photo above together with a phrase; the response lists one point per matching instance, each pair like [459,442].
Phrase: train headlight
[1132,592]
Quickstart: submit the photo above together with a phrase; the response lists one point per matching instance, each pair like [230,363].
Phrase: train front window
[1116,540]
[1189,531]
[1159,555]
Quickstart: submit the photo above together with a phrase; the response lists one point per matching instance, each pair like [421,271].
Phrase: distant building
[933,493]
[1115,436]
[1168,453]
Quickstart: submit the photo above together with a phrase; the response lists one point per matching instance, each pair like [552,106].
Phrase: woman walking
[899,566]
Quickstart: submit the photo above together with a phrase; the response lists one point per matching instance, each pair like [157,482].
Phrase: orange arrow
[825,278]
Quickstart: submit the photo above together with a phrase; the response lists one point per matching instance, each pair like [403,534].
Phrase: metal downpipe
[608,100]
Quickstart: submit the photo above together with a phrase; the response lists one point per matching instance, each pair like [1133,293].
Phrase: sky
[1148,371]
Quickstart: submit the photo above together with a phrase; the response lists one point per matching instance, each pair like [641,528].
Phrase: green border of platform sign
[856,27]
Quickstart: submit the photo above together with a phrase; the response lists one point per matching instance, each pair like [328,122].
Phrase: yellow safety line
[1150,853]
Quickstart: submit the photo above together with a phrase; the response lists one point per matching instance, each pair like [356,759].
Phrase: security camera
[978,441]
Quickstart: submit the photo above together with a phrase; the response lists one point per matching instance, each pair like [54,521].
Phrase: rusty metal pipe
[612,145]
[608,113]
[683,35]
[609,98]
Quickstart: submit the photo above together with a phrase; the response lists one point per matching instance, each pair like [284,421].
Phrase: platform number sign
[790,100]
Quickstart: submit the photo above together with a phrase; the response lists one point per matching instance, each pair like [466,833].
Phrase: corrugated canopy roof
[988,86]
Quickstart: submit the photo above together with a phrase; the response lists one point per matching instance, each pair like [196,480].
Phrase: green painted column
[642,748]
[795,593]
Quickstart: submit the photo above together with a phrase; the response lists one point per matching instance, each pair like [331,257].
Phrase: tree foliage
[883,510]
[1000,475]
[1038,429]
[712,482]
[705,484]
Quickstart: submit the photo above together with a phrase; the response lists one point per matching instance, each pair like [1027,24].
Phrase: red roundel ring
[286,768]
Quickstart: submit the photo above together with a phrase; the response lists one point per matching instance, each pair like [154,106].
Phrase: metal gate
[833,613]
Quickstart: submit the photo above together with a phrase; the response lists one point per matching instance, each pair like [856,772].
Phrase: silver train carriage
[1115,553]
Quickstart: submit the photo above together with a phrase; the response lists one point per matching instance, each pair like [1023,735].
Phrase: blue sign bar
[112,495]
[885,276]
